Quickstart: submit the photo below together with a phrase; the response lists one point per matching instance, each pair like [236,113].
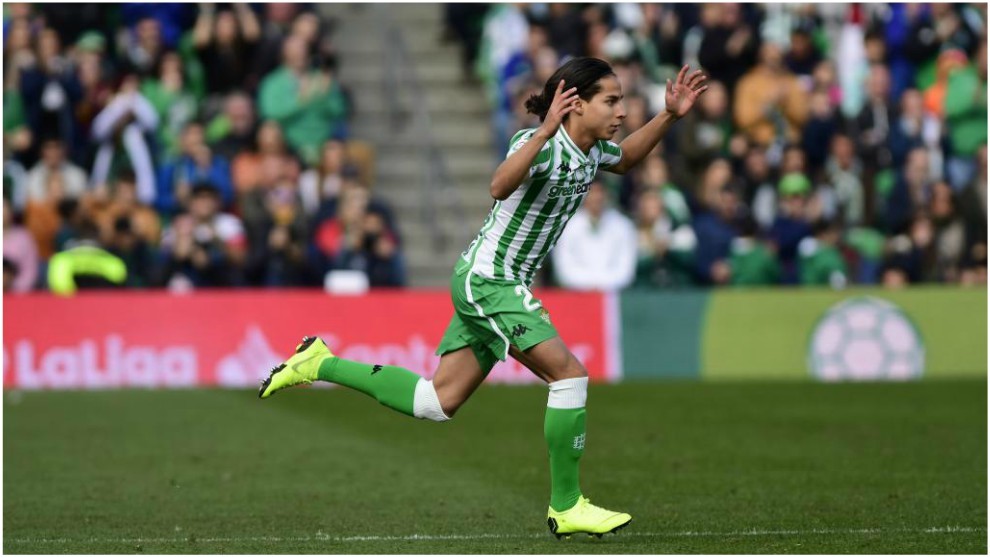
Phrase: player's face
[604,113]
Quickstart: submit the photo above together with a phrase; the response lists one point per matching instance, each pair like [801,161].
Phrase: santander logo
[98,365]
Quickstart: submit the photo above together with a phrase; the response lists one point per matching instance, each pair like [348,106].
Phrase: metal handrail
[437,186]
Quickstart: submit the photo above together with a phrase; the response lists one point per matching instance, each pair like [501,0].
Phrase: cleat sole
[302,346]
[553,529]
[268,381]
[619,527]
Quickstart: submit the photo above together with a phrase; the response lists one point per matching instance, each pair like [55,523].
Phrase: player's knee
[450,401]
[450,407]
[572,370]
[579,369]
[428,402]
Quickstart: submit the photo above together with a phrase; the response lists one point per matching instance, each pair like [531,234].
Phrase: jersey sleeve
[541,163]
[611,154]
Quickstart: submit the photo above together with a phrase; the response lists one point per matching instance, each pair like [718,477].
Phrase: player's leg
[572,366]
[564,423]
[459,374]
[564,430]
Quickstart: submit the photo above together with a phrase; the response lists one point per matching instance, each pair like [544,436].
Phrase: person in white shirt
[128,117]
[54,177]
[597,251]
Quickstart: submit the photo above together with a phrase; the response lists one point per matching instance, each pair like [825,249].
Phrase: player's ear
[581,104]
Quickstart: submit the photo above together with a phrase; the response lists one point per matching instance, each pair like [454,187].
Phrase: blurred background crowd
[187,146]
[183,146]
[837,143]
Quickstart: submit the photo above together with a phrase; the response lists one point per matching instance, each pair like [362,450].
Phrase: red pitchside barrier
[232,338]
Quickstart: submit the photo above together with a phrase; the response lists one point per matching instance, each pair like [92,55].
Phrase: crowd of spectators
[837,143]
[208,145]
[183,146]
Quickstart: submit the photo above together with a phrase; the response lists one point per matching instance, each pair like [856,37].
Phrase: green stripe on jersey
[519,216]
[516,137]
[607,147]
[545,155]
[489,223]
[558,227]
[534,234]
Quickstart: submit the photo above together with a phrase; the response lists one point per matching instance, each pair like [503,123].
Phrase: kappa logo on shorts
[519,330]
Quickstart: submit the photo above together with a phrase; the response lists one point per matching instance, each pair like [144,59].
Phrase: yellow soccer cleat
[585,518]
[301,368]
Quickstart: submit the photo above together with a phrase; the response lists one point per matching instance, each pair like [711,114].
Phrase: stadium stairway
[459,121]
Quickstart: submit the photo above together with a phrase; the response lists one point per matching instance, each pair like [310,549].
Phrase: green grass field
[703,468]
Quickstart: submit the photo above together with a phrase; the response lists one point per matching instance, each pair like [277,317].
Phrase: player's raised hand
[563,102]
[684,91]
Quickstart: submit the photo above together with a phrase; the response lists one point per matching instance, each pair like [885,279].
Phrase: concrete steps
[460,126]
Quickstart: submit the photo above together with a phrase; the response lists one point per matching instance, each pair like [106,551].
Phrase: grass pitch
[703,468]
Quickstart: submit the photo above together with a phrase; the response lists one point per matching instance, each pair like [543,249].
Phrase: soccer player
[537,189]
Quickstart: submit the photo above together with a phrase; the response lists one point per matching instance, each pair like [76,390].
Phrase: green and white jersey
[520,231]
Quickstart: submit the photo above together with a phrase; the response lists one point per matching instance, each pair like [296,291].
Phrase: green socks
[392,386]
[564,429]
[402,390]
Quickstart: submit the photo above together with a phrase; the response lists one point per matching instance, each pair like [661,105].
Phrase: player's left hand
[684,91]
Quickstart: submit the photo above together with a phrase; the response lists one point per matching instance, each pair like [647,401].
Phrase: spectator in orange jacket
[769,100]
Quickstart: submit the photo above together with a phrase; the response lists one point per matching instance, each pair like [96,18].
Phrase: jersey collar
[571,146]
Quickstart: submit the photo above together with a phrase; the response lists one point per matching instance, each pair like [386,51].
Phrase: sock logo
[519,330]
[376,369]
[579,442]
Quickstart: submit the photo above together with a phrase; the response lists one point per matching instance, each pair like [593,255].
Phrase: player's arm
[680,98]
[515,168]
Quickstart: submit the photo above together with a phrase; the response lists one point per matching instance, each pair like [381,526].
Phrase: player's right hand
[563,102]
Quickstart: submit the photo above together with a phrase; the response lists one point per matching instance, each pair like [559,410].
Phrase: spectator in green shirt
[664,246]
[821,263]
[175,103]
[752,261]
[966,117]
[308,104]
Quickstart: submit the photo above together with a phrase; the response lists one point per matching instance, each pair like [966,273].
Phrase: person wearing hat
[791,225]
[91,41]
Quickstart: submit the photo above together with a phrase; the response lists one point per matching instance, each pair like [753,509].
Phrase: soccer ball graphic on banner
[865,339]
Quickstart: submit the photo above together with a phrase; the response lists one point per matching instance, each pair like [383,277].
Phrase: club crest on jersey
[580,173]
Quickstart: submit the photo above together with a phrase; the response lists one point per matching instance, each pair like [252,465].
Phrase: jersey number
[528,302]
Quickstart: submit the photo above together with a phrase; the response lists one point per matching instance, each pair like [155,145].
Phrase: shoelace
[588,505]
